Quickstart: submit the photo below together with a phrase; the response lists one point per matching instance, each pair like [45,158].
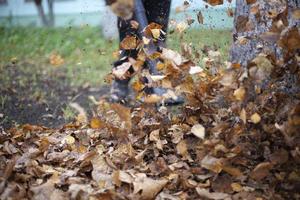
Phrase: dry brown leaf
[123,8]
[56,60]
[199,131]
[120,71]
[96,123]
[205,193]
[172,56]
[214,2]
[129,43]
[296,14]
[261,171]
[182,149]
[147,188]
[211,163]
[230,12]
[155,33]
[240,93]
[134,24]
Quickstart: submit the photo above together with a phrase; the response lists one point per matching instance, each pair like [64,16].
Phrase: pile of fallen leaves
[236,137]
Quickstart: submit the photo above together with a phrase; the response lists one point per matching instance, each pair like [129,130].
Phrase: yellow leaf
[96,123]
[129,43]
[236,187]
[239,94]
[255,118]
[146,41]
[155,33]
[69,139]
[182,26]
[243,116]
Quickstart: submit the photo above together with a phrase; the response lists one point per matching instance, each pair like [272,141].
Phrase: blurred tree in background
[47,20]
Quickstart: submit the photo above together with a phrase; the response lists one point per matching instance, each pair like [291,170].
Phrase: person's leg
[119,89]
[158,11]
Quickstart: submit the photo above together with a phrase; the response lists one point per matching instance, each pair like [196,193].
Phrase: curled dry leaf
[69,140]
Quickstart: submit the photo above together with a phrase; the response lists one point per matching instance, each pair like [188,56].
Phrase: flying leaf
[121,70]
[195,70]
[200,17]
[214,2]
[155,33]
[129,43]
[172,56]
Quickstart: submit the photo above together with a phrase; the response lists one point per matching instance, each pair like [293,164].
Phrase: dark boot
[161,91]
[119,92]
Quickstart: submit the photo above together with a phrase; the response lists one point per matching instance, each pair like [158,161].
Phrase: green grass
[87,55]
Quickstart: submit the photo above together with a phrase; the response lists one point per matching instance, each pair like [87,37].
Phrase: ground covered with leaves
[236,137]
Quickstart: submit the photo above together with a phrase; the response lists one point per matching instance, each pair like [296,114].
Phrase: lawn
[87,55]
[37,92]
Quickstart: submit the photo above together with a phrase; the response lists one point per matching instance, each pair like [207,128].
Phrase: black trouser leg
[157,11]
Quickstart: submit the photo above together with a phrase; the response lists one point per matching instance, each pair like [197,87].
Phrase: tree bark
[41,12]
[51,13]
[259,25]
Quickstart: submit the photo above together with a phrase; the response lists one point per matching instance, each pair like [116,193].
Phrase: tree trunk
[41,12]
[51,13]
[259,25]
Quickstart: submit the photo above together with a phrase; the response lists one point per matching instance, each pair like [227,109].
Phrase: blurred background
[61,50]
